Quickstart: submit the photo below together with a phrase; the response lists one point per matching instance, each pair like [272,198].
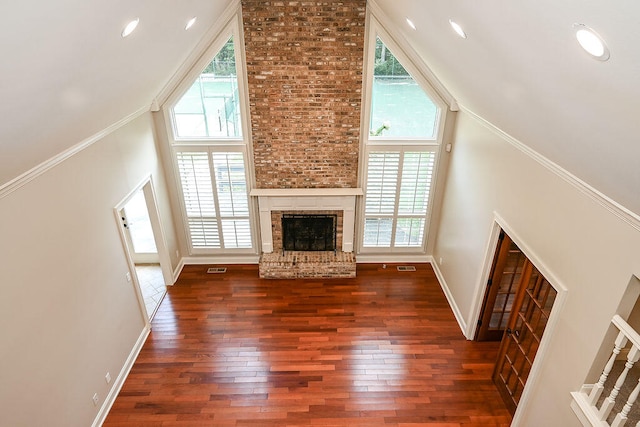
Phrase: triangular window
[210,108]
[399,106]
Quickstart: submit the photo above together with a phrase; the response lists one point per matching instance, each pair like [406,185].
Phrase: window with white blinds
[214,191]
[397,197]
[404,118]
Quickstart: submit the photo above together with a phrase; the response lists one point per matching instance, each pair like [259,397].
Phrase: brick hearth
[298,264]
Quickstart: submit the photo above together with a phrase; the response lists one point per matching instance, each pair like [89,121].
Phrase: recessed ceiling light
[411,24]
[130,27]
[591,42]
[190,23]
[458,29]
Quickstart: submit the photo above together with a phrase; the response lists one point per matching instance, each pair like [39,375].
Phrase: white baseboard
[452,302]
[390,259]
[178,270]
[234,259]
[122,376]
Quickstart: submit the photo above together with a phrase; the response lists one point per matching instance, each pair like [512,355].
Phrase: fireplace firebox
[308,232]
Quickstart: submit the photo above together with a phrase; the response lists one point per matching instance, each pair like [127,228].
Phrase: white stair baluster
[621,418]
[596,391]
[608,403]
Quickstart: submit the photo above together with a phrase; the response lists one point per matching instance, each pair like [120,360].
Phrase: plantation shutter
[231,185]
[397,198]
[417,172]
[382,179]
[380,198]
[199,201]
[214,190]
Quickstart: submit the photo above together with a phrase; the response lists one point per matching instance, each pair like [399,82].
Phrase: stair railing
[586,401]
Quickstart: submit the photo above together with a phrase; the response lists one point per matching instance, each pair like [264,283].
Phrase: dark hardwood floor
[383,349]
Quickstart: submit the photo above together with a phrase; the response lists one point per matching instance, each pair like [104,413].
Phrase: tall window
[400,152]
[211,155]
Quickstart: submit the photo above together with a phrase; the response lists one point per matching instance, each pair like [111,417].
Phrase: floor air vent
[406,268]
[212,270]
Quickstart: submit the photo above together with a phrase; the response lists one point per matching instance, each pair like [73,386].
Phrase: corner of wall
[450,299]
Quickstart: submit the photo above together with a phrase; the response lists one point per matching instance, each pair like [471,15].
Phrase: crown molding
[611,205]
[30,175]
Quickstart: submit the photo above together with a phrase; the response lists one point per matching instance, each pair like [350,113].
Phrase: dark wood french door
[527,321]
[502,287]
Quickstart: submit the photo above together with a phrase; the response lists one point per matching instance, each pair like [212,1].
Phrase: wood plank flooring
[382,349]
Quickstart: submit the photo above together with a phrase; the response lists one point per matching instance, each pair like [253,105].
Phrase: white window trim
[241,144]
[427,216]
[374,30]
[232,29]
[209,150]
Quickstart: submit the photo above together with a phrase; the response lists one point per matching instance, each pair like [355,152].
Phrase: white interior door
[138,230]
[148,258]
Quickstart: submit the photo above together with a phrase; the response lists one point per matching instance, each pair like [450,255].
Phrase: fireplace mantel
[307,199]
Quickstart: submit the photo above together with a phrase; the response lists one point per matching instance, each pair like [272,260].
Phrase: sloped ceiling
[66,73]
[521,69]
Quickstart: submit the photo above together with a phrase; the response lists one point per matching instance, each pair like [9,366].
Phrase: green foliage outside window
[224,63]
[385,63]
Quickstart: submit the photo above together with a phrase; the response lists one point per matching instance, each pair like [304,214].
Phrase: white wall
[67,313]
[574,240]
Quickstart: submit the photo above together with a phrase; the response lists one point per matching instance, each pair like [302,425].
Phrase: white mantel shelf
[305,192]
[305,199]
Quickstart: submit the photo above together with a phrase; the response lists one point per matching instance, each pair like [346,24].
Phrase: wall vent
[406,268]
[212,270]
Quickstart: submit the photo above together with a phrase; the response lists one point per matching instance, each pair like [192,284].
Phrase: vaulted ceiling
[521,69]
[67,73]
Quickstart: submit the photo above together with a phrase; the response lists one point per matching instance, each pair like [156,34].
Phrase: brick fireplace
[304,62]
[278,263]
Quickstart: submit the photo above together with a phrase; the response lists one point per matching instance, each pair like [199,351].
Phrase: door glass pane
[507,287]
[399,106]
[139,224]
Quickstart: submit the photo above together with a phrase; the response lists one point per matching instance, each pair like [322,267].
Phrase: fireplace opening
[308,232]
